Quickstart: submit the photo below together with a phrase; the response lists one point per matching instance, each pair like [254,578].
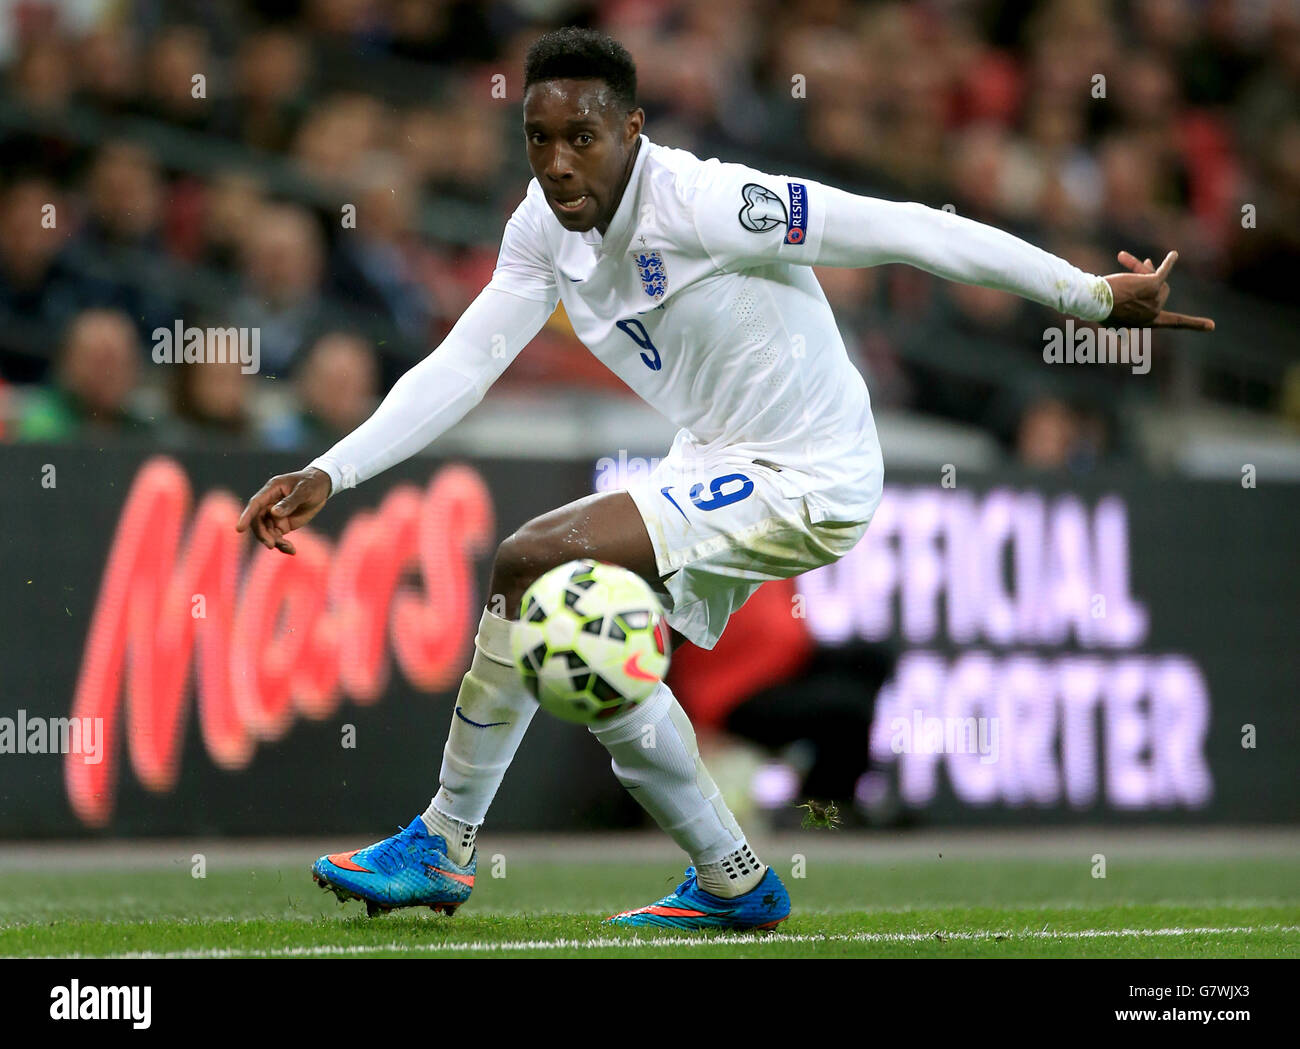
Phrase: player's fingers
[291,501]
[254,507]
[265,496]
[297,520]
[1163,272]
[1165,319]
[268,533]
[273,528]
[1129,261]
[277,529]
[257,525]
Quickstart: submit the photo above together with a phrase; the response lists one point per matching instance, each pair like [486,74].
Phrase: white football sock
[458,835]
[732,875]
[493,711]
[655,756]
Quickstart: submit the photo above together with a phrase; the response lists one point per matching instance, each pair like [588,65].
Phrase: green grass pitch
[888,903]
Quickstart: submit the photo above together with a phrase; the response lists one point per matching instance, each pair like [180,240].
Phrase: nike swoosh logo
[345,861]
[664,493]
[668,912]
[479,724]
[464,879]
[632,668]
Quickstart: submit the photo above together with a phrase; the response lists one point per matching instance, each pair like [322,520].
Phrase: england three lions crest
[654,275]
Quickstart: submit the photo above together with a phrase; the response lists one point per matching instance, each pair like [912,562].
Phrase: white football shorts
[722,524]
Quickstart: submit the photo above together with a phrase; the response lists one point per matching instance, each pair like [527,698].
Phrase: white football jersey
[700,297]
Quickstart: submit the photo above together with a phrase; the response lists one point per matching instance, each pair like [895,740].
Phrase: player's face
[581,148]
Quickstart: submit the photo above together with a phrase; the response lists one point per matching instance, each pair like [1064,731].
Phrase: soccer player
[692,281]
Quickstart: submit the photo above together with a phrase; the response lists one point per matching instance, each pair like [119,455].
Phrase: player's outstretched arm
[787,219]
[424,403]
[863,231]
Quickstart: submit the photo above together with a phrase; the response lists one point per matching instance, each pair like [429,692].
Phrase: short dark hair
[583,54]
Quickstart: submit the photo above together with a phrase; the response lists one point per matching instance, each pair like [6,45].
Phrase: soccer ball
[591,641]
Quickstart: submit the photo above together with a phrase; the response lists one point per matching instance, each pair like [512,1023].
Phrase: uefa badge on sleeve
[797,225]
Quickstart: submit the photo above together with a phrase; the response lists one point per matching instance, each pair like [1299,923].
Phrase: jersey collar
[620,226]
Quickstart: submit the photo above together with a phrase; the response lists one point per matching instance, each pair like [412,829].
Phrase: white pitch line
[13,916]
[608,942]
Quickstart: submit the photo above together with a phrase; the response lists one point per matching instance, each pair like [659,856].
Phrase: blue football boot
[410,869]
[765,906]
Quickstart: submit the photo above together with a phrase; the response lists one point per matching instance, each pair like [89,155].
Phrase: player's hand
[1140,297]
[284,503]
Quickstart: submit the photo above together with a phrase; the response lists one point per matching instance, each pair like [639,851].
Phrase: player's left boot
[410,869]
[765,906]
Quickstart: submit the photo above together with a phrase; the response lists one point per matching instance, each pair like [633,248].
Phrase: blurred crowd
[336,174]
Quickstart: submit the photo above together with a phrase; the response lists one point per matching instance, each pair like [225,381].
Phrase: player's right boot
[765,906]
[410,869]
